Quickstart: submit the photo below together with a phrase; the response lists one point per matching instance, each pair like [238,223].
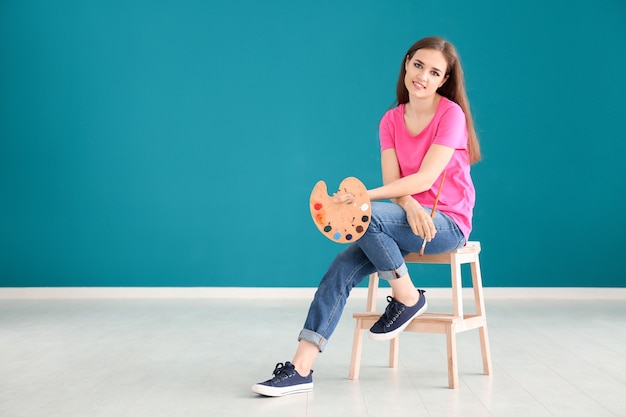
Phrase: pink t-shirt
[447,128]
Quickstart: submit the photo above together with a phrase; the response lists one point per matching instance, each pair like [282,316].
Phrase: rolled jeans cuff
[401,271]
[312,337]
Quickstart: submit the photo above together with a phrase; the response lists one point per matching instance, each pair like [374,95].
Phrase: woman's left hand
[418,218]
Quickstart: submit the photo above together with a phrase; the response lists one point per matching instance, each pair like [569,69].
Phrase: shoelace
[392,312]
[282,371]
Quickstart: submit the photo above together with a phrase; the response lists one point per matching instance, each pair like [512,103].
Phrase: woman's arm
[400,190]
[396,188]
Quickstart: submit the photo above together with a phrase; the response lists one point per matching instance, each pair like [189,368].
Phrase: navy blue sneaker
[396,318]
[286,381]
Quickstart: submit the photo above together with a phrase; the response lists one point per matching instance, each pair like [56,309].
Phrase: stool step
[429,322]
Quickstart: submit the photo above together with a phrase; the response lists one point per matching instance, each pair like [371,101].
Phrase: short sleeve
[386,131]
[452,128]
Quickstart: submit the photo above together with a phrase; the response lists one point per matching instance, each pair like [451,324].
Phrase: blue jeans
[381,249]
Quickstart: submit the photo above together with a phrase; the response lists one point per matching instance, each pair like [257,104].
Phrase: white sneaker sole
[280,391]
[381,337]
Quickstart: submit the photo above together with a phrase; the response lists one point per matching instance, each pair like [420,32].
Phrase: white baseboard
[40,293]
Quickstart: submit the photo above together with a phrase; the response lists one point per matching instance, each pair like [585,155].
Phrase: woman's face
[425,73]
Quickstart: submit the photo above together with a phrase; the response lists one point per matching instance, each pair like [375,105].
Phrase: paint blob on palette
[341,222]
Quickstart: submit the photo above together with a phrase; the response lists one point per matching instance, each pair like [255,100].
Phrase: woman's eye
[418,65]
[435,73]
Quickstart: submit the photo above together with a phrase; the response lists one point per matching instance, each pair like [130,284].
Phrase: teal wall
[158,143]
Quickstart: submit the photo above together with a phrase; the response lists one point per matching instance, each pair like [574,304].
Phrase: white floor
[199,357]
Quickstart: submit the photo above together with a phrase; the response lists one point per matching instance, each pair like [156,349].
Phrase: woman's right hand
[418,218]
[347,198]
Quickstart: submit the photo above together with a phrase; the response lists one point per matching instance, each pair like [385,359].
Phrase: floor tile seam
[620,353]
[415,386]
[586,361]
[145,392]
[561,377]
[463,381]
[572,384]
[519,383]
[556,341]
[522,387]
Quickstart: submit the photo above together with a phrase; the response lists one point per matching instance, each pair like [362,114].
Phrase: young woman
[429,132]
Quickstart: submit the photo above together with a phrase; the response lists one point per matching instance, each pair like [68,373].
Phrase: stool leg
[394,347]
[357,347]
[477,282]
[484,347]
[457,287]
[453,373]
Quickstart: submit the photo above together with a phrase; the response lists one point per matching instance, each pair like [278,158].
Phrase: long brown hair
[453,89]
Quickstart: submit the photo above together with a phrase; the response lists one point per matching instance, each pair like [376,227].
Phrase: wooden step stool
[448,323]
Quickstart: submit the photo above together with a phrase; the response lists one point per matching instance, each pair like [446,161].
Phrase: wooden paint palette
[341,222]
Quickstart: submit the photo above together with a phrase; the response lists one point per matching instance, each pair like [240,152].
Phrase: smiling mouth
[419,85]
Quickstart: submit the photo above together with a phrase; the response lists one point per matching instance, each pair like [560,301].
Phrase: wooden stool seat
[448,323]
